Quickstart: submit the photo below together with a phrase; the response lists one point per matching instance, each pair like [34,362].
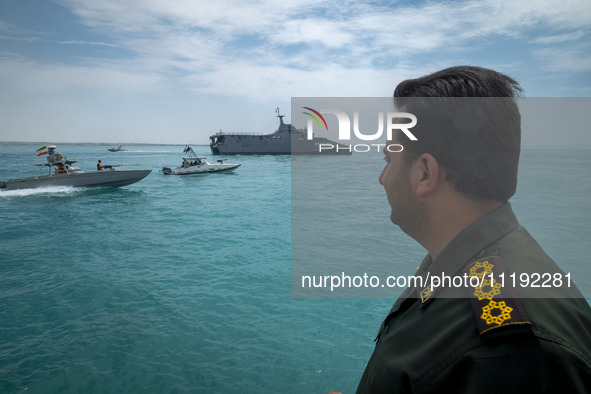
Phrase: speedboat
[198,165]
[58,171]
[117,149]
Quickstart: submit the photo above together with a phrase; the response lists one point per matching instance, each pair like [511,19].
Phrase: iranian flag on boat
[42,151]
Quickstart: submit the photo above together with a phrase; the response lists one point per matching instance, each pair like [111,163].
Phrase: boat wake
[40,190]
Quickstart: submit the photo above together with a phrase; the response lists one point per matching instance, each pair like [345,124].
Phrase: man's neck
[449,217]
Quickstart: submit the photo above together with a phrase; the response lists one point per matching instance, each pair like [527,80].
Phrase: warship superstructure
[285,140]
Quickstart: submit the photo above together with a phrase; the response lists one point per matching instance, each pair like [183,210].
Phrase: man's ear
[425,172]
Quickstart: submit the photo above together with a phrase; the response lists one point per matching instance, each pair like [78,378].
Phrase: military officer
[450,191]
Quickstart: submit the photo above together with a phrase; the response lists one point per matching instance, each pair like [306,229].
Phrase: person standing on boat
[449,190]
[99,166]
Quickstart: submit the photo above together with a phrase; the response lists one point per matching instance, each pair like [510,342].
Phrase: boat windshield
[191,162]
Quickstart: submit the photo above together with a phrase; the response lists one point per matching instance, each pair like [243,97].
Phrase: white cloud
[96,43]
[9,31]
[33,78]
[558,38]
[313,31]
[252,48]
[269,51]
[559,59]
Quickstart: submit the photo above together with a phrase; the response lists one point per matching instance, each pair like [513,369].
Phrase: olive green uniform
[485,338]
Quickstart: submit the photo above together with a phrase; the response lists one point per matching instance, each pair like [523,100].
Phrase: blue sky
[177,71]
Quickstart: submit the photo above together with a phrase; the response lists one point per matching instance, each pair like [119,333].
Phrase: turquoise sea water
[183,284]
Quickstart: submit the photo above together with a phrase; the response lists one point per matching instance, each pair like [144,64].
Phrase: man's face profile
[407,211]
[396,182]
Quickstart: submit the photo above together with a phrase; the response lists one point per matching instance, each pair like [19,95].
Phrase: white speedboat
[58,171]
[198,165]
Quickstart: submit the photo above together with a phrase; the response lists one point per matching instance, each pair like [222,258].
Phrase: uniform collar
[460,251]
[472,240]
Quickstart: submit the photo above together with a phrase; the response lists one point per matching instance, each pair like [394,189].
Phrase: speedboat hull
[114,178]
[199,169]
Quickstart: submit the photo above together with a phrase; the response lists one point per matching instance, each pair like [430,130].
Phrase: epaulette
[494,306]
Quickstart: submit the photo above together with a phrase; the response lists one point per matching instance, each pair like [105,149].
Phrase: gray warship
[286,140]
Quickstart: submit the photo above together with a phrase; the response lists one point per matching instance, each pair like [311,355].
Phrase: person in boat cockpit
[99,166]
[61,169]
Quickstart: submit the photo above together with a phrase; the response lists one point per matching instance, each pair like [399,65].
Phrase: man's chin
[394,218]
[397,220]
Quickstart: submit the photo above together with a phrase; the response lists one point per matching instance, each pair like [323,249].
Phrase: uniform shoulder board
[494,306]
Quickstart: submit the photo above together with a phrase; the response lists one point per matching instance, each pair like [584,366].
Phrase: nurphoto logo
[344,128]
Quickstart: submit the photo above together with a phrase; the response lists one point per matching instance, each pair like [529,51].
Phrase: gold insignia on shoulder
[496,312]
[493,305]
[481,268]
[494,290]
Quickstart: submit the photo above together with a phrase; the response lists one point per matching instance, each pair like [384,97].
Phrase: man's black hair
[468,119]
